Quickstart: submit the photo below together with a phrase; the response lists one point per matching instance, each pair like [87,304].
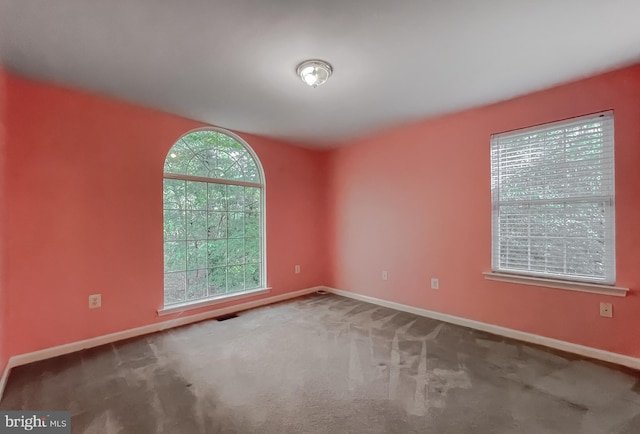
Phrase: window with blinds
[552,193]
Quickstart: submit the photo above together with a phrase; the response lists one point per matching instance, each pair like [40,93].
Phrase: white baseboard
[581,350]
[48,353]
[3,379]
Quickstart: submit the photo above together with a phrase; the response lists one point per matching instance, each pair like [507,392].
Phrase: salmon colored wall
[416,201]
[3,295]
[84,195]
[83,214]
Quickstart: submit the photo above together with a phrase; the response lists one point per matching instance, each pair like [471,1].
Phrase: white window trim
[538,279]
[593,288]
[223,298]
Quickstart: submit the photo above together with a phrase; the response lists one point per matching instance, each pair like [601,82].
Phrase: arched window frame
[262,288]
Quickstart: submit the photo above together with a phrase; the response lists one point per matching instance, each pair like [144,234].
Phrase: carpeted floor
[328,364]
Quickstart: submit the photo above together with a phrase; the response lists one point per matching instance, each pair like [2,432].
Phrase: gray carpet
[328,364]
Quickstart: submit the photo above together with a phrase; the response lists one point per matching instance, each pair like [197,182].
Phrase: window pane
[211,154]
[217,253]
[196,254]
[174,225]
[252,199]
[235,196]
[175,256]
[197,166]
[196,225]
[174,287]
[174,193]
[178,158]
[228,144]
[252,276]
[252,224]
[236,225]
[196,284]
[235,278]
[235,251]
[252,249]
[234,171]
[217,197]
[222,163]
[248,168]
[197,195]
[199,141]
[217,280]
[217,225]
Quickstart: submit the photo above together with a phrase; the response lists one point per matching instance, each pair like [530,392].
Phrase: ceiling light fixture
[314,72]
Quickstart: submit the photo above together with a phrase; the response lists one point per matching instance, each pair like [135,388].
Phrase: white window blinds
[552,192]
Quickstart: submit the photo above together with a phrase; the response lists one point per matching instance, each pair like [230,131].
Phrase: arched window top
[215,155]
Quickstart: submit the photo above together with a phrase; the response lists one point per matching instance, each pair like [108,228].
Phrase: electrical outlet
[297,269]
[95,301]
[435,283]
[385,275]
[606,310]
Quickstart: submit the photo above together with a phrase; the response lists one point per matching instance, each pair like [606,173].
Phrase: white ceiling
[232,62]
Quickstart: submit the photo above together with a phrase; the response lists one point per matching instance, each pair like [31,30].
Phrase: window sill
[225,298]
[593,288]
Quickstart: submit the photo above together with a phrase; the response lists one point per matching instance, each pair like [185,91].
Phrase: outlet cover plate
[606,310]
[95,301]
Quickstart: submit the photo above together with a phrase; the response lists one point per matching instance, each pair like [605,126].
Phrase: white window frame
[563,281]
[263,287]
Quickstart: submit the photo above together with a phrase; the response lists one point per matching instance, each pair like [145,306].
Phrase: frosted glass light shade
[314,72]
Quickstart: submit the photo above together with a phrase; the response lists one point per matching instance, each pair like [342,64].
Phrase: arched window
[213,218]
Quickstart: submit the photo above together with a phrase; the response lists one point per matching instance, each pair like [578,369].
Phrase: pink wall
[84,208]
[83,201]
[416,201]
[3,294]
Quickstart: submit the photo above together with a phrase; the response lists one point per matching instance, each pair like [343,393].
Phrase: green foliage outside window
[212,230]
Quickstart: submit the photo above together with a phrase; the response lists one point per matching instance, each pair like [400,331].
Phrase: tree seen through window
[213,238]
